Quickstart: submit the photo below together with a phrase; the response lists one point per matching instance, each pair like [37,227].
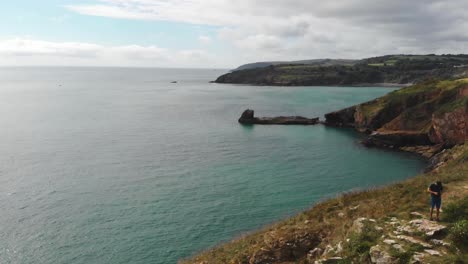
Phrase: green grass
[359,243]
[459,234]
[452,106]
[376,64]
[411,108]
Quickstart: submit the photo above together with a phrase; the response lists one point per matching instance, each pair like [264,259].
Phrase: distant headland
[400,70]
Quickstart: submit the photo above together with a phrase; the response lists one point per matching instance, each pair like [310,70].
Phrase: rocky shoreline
[424,118]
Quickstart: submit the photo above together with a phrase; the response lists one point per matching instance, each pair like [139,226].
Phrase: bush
[459,233]
[454,212]
[360,243]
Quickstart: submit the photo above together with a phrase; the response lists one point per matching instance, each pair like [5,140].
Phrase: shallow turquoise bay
[120,166]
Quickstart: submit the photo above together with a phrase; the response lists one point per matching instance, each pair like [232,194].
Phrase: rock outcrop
[248,118]
[449,128]
[342,118]
[423,118]
[380,256]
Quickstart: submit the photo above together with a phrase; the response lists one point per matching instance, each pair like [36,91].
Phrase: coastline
[382,85]
[323,233]
[326,232]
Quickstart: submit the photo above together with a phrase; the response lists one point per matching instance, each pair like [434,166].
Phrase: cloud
[205,40]
[26,52]
[299,29]
[29,47]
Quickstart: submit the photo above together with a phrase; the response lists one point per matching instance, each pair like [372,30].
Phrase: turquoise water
[120,166]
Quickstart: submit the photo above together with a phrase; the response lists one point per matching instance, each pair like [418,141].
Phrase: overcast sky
[224,33]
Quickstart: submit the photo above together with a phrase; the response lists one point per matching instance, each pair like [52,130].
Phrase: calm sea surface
[102,165]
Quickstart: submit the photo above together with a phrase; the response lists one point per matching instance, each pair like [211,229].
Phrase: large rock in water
[248,117]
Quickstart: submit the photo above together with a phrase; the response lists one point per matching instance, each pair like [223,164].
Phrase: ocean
[119,165]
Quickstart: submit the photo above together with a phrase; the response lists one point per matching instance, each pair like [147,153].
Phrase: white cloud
[28,47]
[302,29]
[27,52]
[205,40]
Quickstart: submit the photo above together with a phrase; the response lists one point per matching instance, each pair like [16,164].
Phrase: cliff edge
[422,118]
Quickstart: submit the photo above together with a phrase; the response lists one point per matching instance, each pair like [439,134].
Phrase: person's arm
[429,191]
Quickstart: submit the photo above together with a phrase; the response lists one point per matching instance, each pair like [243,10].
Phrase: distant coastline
[389,70]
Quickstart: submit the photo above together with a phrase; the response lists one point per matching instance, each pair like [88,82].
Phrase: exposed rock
[416,214]
[342,118]
[405,229]
[428,227]
[414,241]
[380,256]
[449,128]
[327,250]
[420,118]
[248,117]
[358,225]
[433,252]
[417,258]
[354,208]
[425,151]
[396,139]
[440,242]
[389,241]
[314,253]
[247,114]
[398,247]
[341,214]
[339,247]
[332,260]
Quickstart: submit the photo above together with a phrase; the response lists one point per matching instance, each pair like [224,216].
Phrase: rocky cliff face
[432,113]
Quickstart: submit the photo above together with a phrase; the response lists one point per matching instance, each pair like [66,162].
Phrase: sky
[224,33]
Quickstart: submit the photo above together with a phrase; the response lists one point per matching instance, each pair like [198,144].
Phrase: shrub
[454,212]
[459,233]
[360,243]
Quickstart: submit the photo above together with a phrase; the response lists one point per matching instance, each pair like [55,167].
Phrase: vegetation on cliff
[395,69]
[423,118]
[385,223]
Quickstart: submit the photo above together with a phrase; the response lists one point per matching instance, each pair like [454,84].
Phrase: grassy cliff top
[331,222]
[411,108]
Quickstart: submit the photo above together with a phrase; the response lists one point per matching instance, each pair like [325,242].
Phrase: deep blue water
[102,165]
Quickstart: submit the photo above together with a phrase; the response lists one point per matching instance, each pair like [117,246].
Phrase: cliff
[385,225]
[422,118]
[390,69]
[389,224]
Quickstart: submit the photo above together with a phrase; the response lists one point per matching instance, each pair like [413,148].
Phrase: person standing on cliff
[435,189]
